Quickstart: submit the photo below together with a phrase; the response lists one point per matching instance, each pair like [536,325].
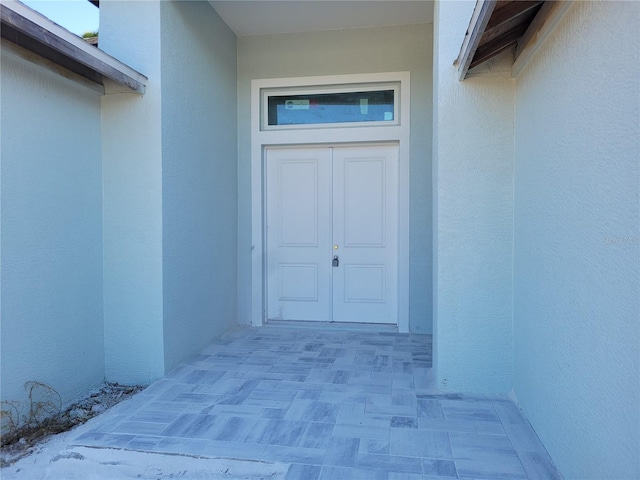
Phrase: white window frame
[397,131]
[287,91]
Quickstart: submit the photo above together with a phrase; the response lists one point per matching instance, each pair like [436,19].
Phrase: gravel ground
[43,455]
[23,441]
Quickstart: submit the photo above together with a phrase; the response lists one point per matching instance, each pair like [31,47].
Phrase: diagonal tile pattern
[333,404]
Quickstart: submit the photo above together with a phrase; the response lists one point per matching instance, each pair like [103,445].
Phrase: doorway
[331,233]
[288,291]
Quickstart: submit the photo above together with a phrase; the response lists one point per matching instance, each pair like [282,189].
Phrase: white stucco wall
[577,242]
[473,215]
[368,50]
[199,177]
[132,183]
[51,243]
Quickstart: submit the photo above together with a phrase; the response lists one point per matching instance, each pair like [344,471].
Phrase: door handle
[336,261]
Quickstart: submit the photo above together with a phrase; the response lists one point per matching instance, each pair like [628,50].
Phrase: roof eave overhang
[35,33]
[522,25]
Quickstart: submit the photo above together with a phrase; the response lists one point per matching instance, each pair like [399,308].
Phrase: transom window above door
[375,104]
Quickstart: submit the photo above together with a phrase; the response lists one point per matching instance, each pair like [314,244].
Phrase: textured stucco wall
[367,50]
[132,183]
[199,177]
[51,248]
[473,215]
[577,242]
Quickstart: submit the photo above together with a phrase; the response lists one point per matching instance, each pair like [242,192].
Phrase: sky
[77,16]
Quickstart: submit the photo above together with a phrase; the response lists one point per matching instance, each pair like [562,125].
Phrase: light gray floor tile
[485,457]
[429,408]
[185,446]
[420,443]
[523,437]
[342,452]
[349,409]
[392,410]
[285,432]
[403,397]
[345,473]
[442,468]
[360,431]
[468,445]
[336,404]
[446,425]
[316,435]
[144,443]
[140,428]
[489,427]
[406,476]
[198,377]
[239,410]
[233,429]
[539,465]
[148,415]
[273,413]
[404,422]
[491,468]
[237,450]
[310,456]
[370,388]
[509,413]
[468,410]
[377,446]
[104,439]
[390,463]
[312,411]
[303,472]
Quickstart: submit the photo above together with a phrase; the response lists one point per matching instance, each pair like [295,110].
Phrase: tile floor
[333,404]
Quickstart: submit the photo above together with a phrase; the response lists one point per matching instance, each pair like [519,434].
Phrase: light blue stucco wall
[473,215]
[170,187]
[577,242]
[132,186]
[366,50]
[51,243]
[199,177]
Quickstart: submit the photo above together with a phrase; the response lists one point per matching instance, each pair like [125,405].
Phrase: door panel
[365,206]
[318,198]
[363,182]
[298,231]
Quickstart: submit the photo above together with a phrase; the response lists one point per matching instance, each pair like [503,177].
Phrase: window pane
[372,106]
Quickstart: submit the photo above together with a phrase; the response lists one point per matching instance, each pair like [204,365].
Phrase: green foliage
[90,34]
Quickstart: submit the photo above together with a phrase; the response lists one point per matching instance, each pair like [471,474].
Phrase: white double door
[332,233]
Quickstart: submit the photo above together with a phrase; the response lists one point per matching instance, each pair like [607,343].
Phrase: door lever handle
[336,261]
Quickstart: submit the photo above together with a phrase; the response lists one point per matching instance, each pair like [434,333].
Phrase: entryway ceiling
[263,17]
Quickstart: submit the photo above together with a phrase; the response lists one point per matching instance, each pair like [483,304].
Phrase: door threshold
[341,326]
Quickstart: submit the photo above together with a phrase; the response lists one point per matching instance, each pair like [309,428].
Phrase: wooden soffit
[499,25]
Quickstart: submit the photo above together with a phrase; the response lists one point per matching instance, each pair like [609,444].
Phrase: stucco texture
[170,187]
[577,242]
[132,192]
[51,269]
[473,216]
[199,178]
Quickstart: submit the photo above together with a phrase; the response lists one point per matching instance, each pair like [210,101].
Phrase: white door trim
[334,136]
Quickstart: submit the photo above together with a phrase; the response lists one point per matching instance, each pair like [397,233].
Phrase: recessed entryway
[332,233]
[330,197]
